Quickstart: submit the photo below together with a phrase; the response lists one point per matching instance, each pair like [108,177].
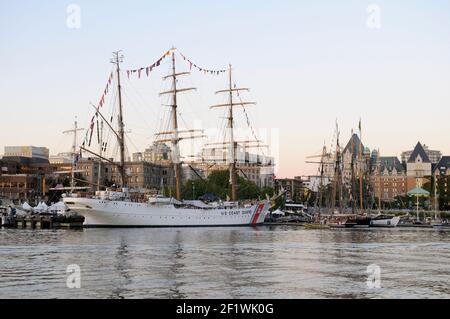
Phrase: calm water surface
[263,262]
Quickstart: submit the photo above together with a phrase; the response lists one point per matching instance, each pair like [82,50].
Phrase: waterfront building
[418,167]
[23,172]
[353,152]
[433,155]
[294,187]
[388,178]
[26,154]
[61,158]
[8,167]
[441,174]
[257,168]
[156,153]
[313,183]
[141,175]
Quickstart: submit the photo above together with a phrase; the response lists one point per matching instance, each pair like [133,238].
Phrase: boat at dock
[117,209]
[384,221]
[441,226]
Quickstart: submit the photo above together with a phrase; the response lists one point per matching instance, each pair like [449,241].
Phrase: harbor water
[240,262]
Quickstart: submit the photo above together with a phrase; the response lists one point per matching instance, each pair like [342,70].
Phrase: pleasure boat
[384,221]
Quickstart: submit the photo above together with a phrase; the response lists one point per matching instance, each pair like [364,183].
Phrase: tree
[218,183]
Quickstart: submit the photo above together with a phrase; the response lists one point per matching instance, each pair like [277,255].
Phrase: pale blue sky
[307,62]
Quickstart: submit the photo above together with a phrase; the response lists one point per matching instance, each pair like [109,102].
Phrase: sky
[308,64]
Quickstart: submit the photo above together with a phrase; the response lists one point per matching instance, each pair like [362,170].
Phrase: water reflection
[263,262]
[176,267]
[122,267]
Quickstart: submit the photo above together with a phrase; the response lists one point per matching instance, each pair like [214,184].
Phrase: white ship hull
[388,222]
[111,213]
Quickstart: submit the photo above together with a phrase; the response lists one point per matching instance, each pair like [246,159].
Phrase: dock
[284,224]
[41,221]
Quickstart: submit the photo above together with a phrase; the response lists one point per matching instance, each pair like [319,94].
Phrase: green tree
[218,183]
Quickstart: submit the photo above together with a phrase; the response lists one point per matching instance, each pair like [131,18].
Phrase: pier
[41,221]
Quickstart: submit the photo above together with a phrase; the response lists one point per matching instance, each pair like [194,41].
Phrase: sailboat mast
[435,197]
[324,152]
[176,161]
[117,59]
[379,181]
[353,174]
[360,170]
[232,165]
[74,155]
[339,174]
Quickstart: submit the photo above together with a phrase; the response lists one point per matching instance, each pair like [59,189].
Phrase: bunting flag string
[88,136]
[91,128]
[205,71]
[148,69]
[105,91]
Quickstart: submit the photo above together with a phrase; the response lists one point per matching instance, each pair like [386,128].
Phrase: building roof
[444,164]
[419,151]
[354,145]
[391,162]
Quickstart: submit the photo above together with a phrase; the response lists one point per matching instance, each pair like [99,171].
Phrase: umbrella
[418,192]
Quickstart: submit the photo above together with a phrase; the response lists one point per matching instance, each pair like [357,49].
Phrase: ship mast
[232,143]
[74,153]
[117,59]
[100,132]
[337,179]
[324,153]
[361,171]
[353,191]
[176,138]
[232,165]
[176,147]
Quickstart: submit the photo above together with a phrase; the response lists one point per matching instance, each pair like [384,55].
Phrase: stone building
[293,186]
[433,155]
[441,174]
[388,178]
[257,168]
[418,167]
[141,175]
[156,153]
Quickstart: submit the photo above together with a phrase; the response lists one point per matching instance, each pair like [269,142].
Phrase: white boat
[108,208]
[442,226]
[384,221]
[113,209]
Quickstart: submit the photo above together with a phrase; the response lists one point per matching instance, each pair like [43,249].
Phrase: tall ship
[116,208]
